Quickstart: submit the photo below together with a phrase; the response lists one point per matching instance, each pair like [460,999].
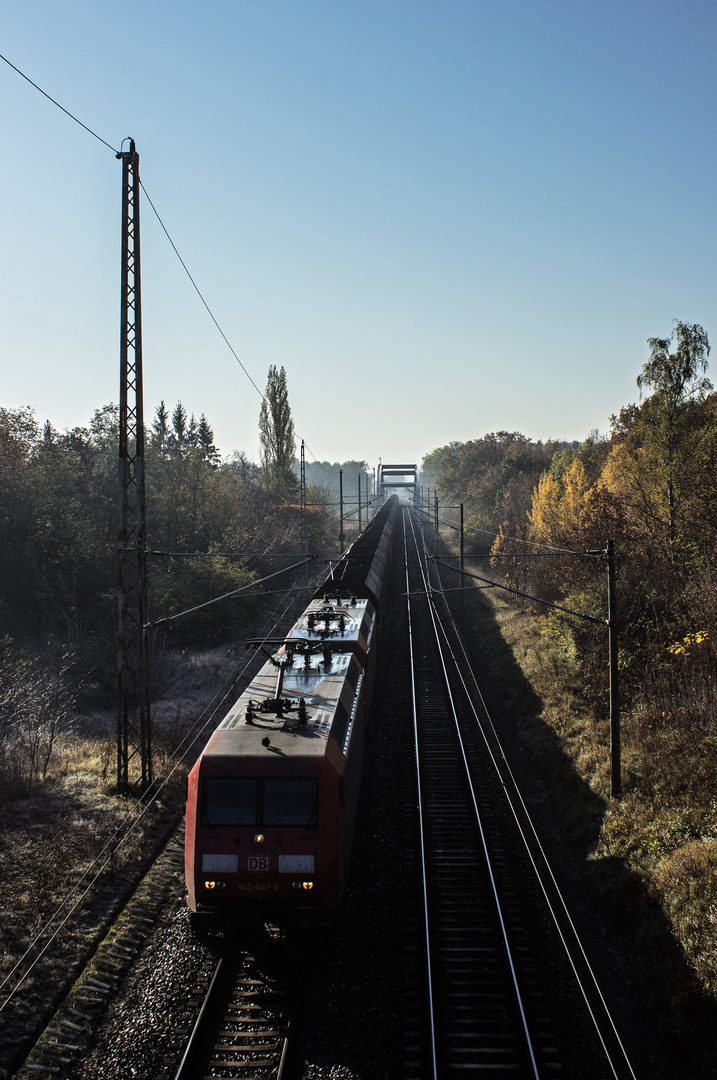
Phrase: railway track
[485,999]
[230,1018]
[474,1001]
[243,1026]
[478,996]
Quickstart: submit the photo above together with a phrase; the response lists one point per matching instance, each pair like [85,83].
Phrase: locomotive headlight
[259,838]
[307,884]
[214,884]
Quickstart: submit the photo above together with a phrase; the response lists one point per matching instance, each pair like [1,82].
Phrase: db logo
[258,862]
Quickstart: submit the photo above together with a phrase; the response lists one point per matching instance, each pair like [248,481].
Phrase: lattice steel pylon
[304,542]
[134,742]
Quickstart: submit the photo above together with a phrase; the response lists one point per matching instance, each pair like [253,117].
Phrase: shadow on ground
[667,1022]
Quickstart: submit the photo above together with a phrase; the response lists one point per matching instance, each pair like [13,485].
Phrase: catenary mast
[134,745]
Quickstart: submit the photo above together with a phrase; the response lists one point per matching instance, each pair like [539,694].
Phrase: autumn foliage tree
[493,476]
[559,507]
[651,467]
[651,487]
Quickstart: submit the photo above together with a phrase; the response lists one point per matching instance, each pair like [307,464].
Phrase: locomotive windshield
[277,801]
[290,801]
[230,802]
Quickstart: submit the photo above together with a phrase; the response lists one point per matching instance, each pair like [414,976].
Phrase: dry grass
[74,824]
[63,875]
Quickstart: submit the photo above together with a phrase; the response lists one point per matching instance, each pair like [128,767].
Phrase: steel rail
[423,848]
[526,1035]
[215,1012]
[479,823]
[186,1070]
[526,829]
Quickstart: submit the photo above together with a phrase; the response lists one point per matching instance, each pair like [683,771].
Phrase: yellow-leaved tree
[559,506]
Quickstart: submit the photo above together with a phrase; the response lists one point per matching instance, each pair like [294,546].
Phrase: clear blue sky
[443,218]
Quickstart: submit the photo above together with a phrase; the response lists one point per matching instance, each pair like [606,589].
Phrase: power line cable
[122,833]
[224,596]
[213,317]
[66,111]
[118,153]
[199,293]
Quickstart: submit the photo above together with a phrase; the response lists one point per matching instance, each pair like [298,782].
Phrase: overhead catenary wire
[337,519]
[226,554]
[118,154]
[519,592]
[126,828]
[498,536]
[124,831]
[530,555]
[103,859]
[225,596]
[62,107]
[430,514]
[259,554]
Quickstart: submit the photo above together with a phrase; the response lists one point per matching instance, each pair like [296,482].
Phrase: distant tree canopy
[651,486]
[59,527]
[433,464]
[494,476]
[326,474]
[184,434]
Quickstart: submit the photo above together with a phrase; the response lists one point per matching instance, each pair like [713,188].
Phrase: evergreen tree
[205,441]
[160,427]
[179,425]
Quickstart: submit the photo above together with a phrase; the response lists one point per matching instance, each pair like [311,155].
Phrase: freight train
[272,799]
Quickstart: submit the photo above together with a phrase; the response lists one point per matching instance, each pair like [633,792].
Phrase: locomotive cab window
[290,801]
[230,801]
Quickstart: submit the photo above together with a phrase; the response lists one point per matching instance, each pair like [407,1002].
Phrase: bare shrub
[37,702]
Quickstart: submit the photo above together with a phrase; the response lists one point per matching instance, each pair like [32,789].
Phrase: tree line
[211,524]
[650,485]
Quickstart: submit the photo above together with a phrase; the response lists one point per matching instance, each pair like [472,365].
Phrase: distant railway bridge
[390,477]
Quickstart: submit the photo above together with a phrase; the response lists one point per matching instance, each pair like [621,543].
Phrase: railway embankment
[72,850]
[638,872]
[641,869]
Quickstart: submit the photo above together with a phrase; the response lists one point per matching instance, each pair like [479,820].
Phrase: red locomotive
[271,802]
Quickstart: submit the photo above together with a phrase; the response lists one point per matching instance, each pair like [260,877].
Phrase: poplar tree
[276,434]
